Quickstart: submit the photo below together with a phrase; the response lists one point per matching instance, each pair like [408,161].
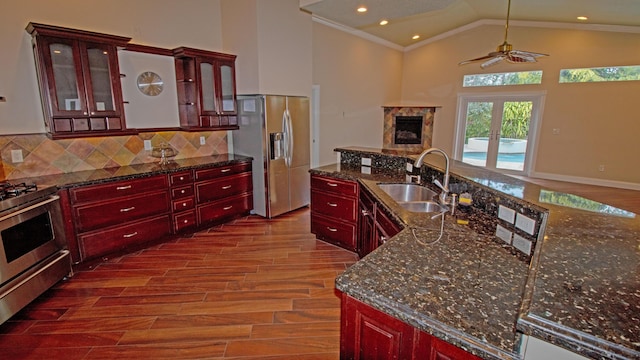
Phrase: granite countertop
[580,289]
[89,177]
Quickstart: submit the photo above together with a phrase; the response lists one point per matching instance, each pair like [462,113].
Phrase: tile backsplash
[43,156]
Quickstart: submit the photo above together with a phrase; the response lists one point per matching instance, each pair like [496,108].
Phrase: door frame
[536,97]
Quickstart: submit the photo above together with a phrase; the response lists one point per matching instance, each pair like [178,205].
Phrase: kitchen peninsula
[579,287]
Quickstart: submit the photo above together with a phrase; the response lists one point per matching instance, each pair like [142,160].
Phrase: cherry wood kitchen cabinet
[375,226]
[334,211]
[222,193]
[117,215]
[79,80]
[367,333]
[206,89]
[183,203]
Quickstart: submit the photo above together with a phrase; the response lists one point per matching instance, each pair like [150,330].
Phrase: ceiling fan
[505,51]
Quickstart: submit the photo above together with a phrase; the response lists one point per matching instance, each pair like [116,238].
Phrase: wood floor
[251,289]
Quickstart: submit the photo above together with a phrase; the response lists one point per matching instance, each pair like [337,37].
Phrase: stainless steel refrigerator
[274,130]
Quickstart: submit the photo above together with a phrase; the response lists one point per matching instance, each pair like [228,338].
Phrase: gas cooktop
[14,195]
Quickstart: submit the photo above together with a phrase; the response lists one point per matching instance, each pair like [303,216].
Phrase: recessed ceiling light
[362,9]
[415,37]
[384,22]
[582,18]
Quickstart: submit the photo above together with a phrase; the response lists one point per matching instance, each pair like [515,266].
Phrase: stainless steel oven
[33,249]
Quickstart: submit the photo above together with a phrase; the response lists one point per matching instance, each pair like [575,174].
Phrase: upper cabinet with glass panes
[79,81]
[206,89]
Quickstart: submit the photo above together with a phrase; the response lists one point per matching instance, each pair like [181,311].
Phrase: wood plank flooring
[250,289]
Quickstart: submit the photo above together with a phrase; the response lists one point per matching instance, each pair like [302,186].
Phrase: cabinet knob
[184,204]
[185,222]
[182,191]
[190,103]
[181,177]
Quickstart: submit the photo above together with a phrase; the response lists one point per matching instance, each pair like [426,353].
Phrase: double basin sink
[413,197]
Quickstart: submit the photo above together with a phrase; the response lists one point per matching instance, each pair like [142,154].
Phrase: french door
[498,131]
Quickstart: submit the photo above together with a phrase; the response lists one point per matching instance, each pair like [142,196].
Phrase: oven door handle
[31,207]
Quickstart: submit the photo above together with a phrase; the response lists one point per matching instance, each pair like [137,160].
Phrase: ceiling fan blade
[490,56]
[528,53]
[493,61]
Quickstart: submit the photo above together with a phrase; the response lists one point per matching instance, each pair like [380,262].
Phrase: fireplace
[408,128]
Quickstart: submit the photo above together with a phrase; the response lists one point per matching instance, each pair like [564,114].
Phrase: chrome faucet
[444,186]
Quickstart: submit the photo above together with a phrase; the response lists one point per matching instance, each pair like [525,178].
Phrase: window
[503,79]
[612,73]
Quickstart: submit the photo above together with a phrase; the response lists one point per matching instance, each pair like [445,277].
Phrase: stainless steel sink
[423,206]
[408,192]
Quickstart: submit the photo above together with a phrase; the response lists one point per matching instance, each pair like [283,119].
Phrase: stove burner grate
[9,190]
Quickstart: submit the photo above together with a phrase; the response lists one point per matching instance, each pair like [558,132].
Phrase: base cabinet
[367,333]
[375,226]
[334,211]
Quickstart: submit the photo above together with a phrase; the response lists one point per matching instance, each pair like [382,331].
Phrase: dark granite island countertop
[581,290]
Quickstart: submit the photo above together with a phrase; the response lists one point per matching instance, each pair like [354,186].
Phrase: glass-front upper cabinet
[79,81]
[206,89]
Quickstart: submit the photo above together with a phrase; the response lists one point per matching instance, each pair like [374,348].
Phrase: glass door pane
[102,98]
[228,87]
[477,129]
[514,132]
[64,76]
[208,87]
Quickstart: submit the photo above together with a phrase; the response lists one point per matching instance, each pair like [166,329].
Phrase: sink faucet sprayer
[444,186]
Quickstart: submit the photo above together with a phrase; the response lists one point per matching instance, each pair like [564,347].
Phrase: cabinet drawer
[104,241]
[218,210]
[113,212]
[118,189]
[221,188]
[183,204]
[340,233]
[182,192]
[181,178]
[214,173]
[344,187]
[334,205]
[184,220]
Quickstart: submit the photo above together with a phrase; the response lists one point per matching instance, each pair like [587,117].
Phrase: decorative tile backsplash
[43,156]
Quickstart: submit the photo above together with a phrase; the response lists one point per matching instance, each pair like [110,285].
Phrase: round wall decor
[150,83]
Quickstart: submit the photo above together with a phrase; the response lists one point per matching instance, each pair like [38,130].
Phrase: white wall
[161,23]
[356,77]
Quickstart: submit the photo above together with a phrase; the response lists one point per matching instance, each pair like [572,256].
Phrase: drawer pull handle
[332,184]
[127,209]
[130,235]
[332,229]
[226,187]
[123,187]
[225,170]
[227,207]
[366,212]
[332,204]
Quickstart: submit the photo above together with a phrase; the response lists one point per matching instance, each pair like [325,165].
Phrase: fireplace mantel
[389,130]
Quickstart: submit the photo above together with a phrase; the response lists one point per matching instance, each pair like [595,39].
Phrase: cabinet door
[227,87]
[365,225]
[370,334]
[208,93]
[102,79]
[65,89]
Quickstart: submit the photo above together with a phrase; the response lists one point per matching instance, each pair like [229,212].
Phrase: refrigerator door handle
[288,137]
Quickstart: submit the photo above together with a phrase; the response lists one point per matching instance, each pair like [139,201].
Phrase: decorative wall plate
[150,83]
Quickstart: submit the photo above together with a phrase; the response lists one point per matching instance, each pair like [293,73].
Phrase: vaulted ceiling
[429,18]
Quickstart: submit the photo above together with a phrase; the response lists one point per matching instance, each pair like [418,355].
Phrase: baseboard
[585,180]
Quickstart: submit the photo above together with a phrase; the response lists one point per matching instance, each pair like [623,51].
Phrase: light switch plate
[522,244]
[506,214]
[409,167]
[504,234]
[366,161]
[525,224]
[203,141]
[365,170]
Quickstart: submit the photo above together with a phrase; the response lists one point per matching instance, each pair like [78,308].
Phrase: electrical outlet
[522,244]
[504,234]
[16,156]
[365,161]
[409,167]
[601,167]
[525,223]
[203,141]
[556,131]
[147,145]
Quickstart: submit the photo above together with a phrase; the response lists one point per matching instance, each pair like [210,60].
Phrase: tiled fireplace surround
[390,114]
[43,156]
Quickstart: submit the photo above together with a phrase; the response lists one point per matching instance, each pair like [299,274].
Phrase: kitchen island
[579,288]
